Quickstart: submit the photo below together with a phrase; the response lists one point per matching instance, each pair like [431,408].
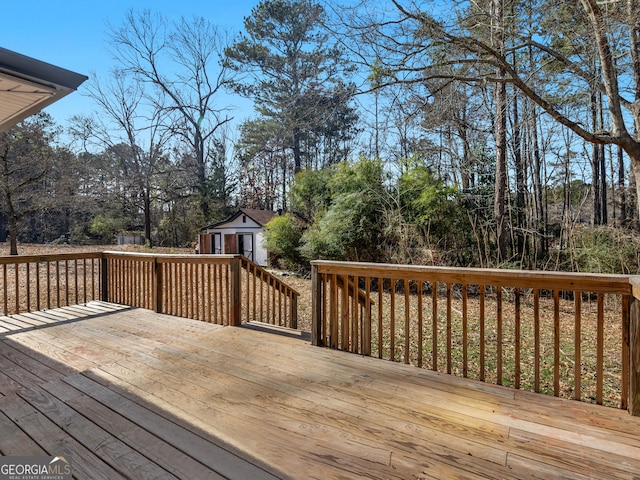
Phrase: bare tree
[500,128]
[183,61]
[132,133]
[483,58]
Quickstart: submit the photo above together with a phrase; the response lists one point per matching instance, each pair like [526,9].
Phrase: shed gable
[241,222]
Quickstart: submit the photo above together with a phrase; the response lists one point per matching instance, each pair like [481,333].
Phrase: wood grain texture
[484,276]
[125,396]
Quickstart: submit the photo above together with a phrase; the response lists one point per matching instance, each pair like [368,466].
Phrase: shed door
[217,243]
[230,243]
[205,243]
[245,245]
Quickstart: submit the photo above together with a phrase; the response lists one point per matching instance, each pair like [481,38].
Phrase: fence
[571,335]
[267,297]
[222,289]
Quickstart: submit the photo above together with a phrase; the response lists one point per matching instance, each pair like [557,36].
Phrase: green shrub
[310,195]
[105,228]
[602,250]
[352,226]
[282,238]
[441,213]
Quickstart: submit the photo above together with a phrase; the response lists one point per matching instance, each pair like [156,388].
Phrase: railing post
[294,311]
[634,351]
[157,285]
[234,274]
[316,307]
[104,274]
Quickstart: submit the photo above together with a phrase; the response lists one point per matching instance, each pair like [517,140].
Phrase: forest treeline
[491,133]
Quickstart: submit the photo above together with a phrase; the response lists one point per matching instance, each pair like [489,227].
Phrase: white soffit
[21,98]
[28,85]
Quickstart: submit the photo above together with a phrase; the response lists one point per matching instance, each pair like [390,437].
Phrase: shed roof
[261,217]
[28,85]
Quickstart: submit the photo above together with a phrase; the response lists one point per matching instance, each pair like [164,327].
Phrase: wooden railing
[266,298]
[36,282]
[571,335]
[222,289]
[567,334]
[632,340]
[190,286]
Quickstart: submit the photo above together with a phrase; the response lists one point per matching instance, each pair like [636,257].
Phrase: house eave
[28,85]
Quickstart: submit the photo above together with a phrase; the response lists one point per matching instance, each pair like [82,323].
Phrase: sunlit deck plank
[243,403]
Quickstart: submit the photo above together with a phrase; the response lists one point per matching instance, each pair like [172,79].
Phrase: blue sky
[72,34]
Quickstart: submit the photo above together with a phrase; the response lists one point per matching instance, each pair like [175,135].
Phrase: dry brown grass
[51,249]
[612,355]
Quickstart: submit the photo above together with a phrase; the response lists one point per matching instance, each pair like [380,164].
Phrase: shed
[241,233]
[130,238]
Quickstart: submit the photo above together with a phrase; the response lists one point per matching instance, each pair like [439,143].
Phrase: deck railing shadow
[42,319]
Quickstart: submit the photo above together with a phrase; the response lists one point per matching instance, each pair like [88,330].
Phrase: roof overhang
[260,217]
[28,85]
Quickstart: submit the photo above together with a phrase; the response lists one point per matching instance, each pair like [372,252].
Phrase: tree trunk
[520,177]
[604,215]
[566,204]
[284,181]
[297,154]
[633,18]
[539,221]
[465,170]
[596,218]
[13,234]
[633,186]
[147,219]
[500,133]
[198,142]
[622,216]
[603,167]
[595,185]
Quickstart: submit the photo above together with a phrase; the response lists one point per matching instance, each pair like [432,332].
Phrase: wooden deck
[126,393]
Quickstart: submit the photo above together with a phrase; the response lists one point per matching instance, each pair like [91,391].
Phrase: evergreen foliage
[282,238]
[350,229]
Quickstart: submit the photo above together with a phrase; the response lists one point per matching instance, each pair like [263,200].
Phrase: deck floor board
[127,393]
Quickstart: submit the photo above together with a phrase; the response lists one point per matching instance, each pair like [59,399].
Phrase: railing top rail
[14,259]
[173,257]
[195,259]
[270,275]
[588,282]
